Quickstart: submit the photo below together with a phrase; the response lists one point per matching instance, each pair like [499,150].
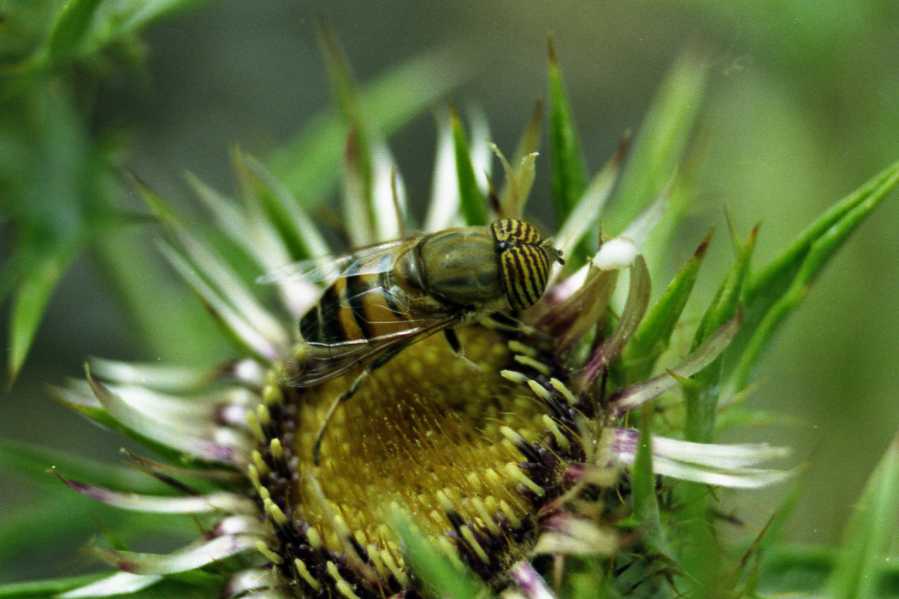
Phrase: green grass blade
[870,533]
[654,333]
[438,572]
[569,171]
[309,163]
[30,300]
[660,144]
[473,202]
[781,287]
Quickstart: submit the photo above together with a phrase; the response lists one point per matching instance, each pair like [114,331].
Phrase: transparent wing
[324,361]
[325,269]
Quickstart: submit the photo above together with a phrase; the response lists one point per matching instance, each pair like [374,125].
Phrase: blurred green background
[802,107]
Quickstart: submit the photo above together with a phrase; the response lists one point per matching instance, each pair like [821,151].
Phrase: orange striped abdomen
[355,307]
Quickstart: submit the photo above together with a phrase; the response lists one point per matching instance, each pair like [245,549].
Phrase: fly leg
[452,338]
[376,363]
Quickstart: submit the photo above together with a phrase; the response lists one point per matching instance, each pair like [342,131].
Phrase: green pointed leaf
[780,288]
[660,145]
[433,567]
[870,533]
[515,191]
[358,161]
[473,202]
[702,401]
[652,337]
[581,229]
[30,300]
[309,163]
[569,171]
[765,286]
[643,481]
[34,461]
[293,223]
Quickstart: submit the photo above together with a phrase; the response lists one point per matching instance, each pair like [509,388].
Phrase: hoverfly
[382,298]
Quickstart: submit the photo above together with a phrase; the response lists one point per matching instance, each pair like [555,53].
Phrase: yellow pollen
[473,543]
[539,390]
[266,552]
[276,449]
[271,394]
[564,390]
[315,539]
[261,467]
[553,428]
[486,517]
[254,426]
[272,509]
[513,376]
[263,414]
[520,348]
[535,364]
[516,473]
[304,573]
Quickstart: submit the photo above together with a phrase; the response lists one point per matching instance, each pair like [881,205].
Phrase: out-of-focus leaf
[309,164]
[569,171]
[34,461]
[358,160]
[661,142]
[164,321]
[40,589]
[643,482]
[804,569]
[85,27]
[29,301]
[72,23]
[586,578]
[870,532]
[654,333]
[774,293]
[473,202]
[433,567]
[66,517]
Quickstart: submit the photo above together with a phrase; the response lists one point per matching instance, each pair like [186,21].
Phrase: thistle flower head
[524,446]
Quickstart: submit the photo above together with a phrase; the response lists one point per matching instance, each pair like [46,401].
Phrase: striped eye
[525,269]
[515,231]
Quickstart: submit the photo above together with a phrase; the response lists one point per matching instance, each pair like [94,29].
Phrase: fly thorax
[459,266]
